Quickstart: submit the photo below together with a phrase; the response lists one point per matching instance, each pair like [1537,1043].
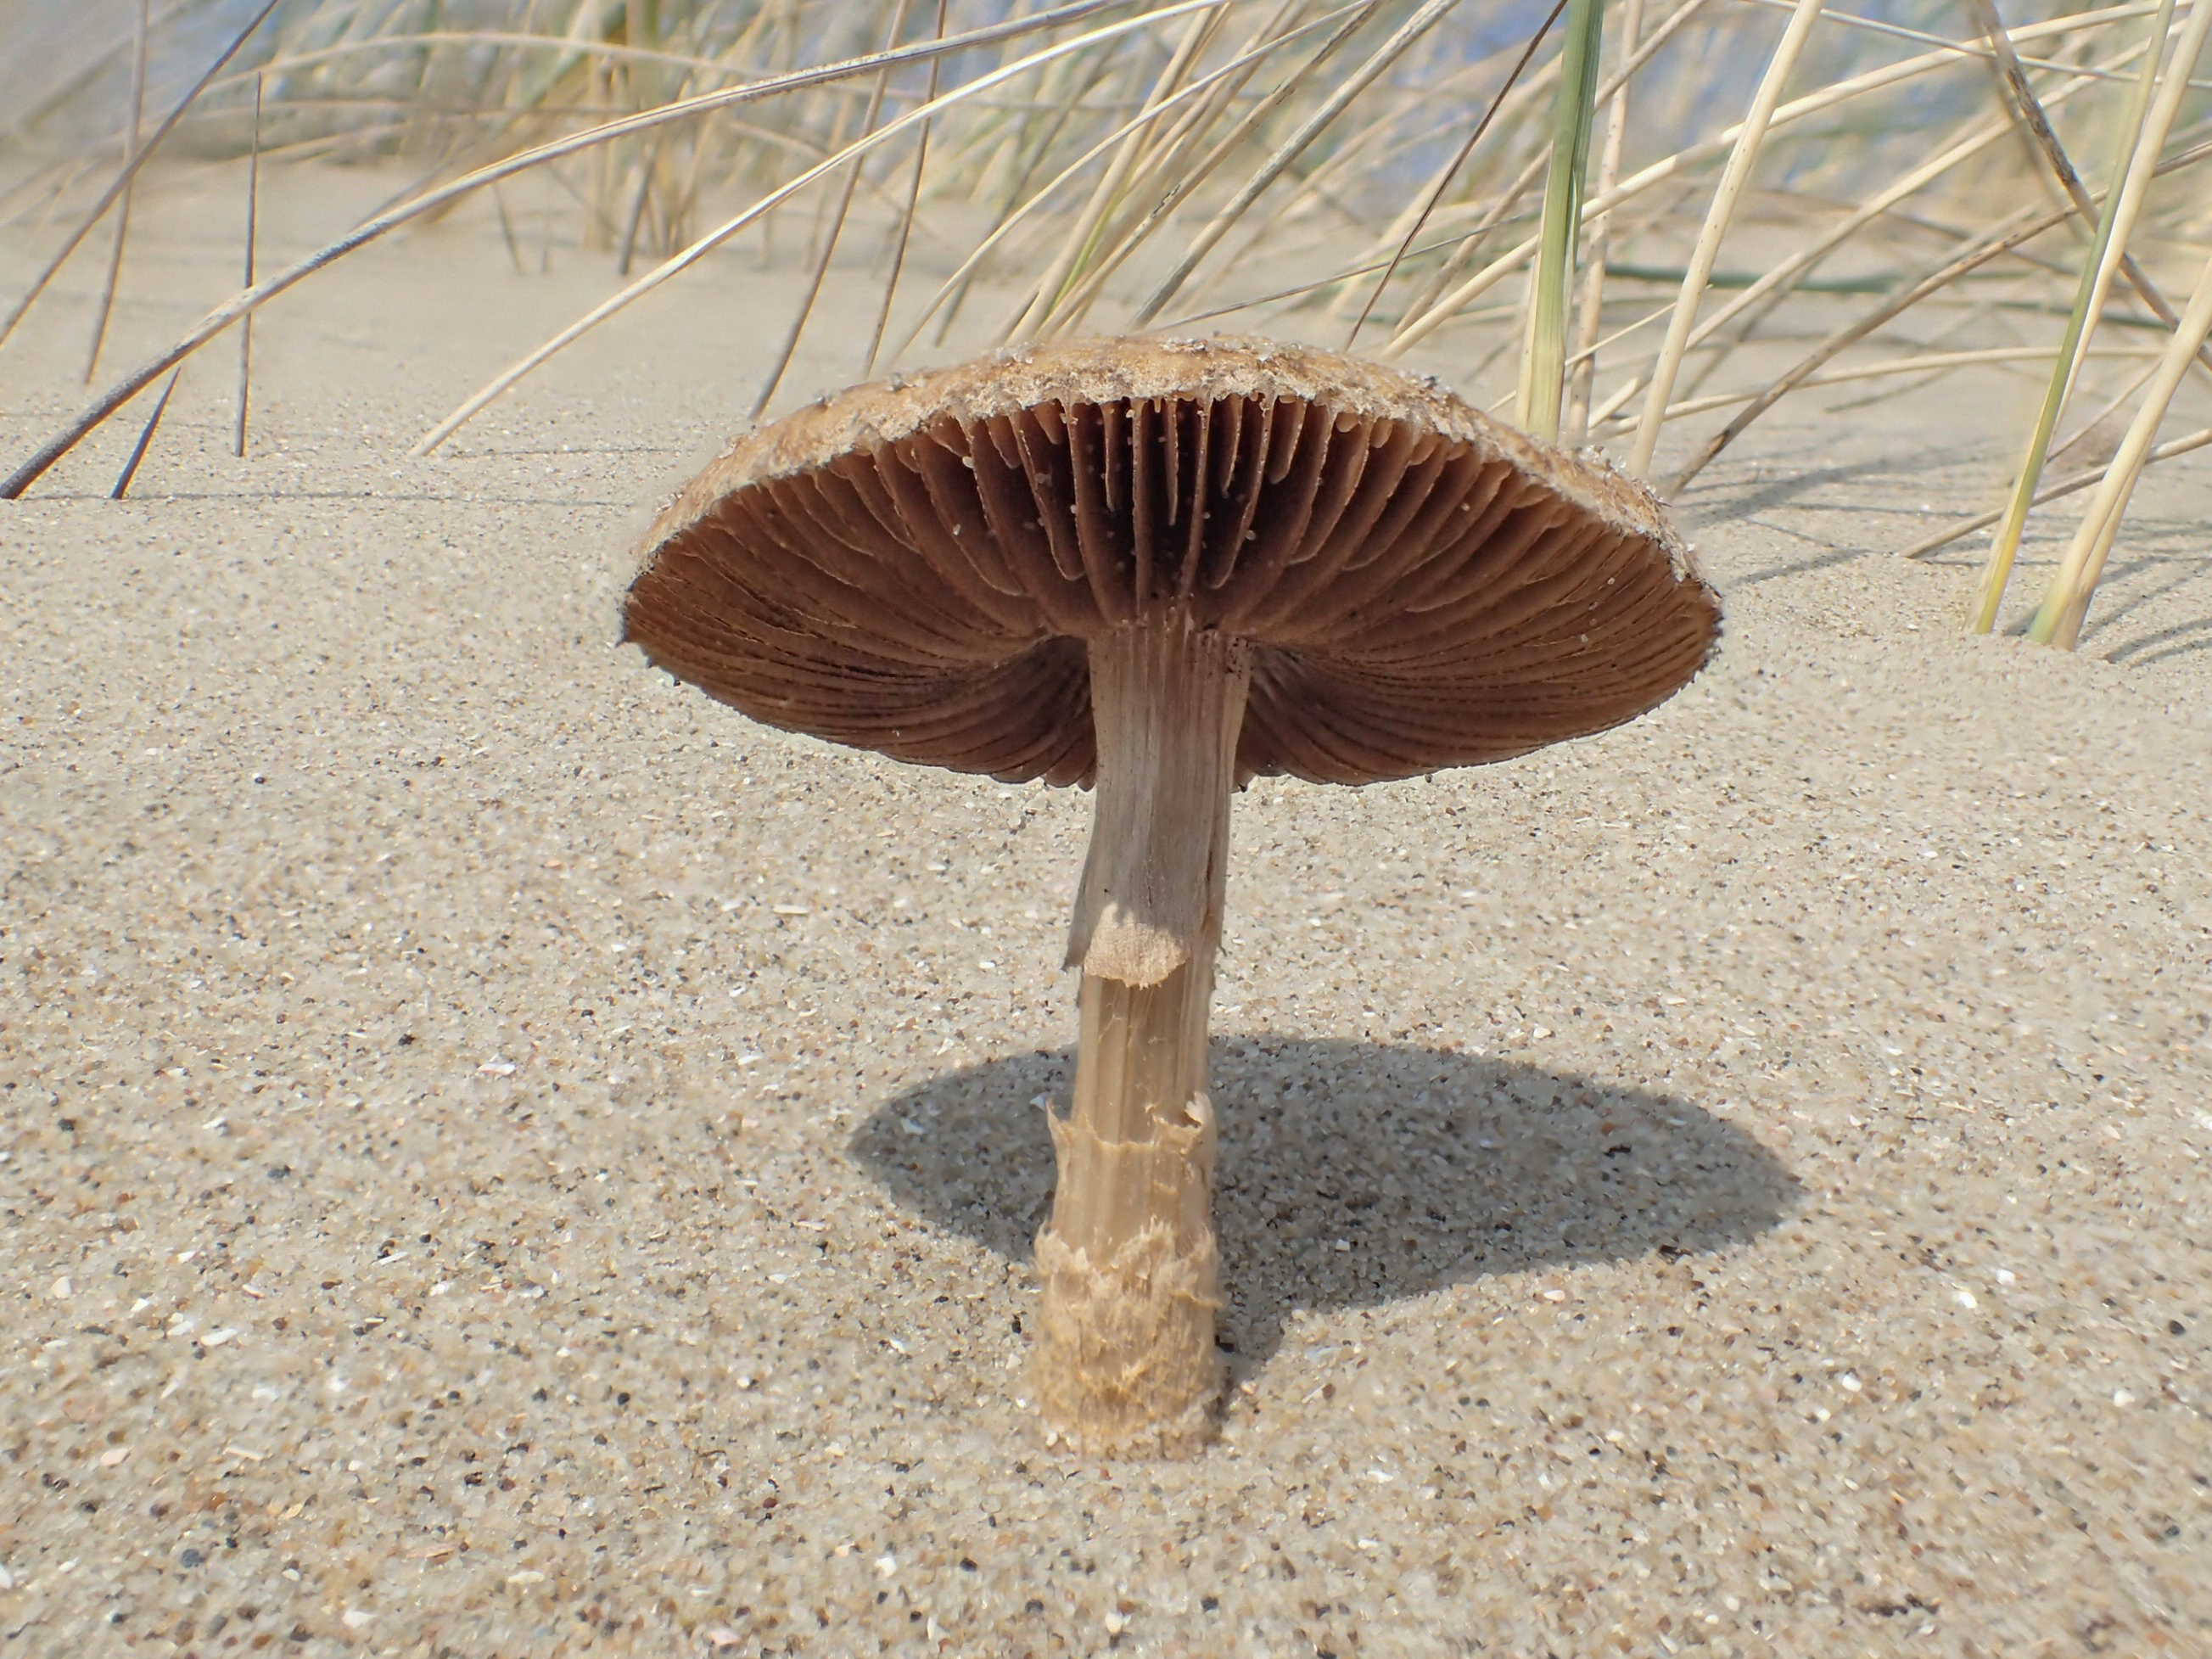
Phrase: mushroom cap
[913,566]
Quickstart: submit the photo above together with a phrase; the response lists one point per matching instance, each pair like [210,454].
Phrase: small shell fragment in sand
[496,1068]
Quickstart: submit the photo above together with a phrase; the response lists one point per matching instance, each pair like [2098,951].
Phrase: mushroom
[1162,568]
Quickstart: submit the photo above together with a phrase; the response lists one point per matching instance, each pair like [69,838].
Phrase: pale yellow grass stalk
[835,230]
[1015,215]
[1081,238]
[2059,620]
[1590,310]
[1922,37]
[1919,363]
[574,49]
[123,208]
[1785,273]
[2150,119]
[2009,233]
[1734,178]
[913,206]
[1429,13]
[499,384]
[135,159]
[1173,192]
[1422,206]
[1975,141]
[252,252]
[1416,329]
[1503,204]
[436,199]
[2015,89]
[1410,221]
[2186,445]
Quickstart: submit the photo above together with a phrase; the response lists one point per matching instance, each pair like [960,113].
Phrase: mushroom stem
[1126,1355]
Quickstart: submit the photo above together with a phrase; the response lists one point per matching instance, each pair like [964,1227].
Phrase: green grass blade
[1444,178]
[2088,300]
[1735,178]
[1544,347]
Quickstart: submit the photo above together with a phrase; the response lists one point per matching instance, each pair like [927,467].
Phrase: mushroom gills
[1126,1355]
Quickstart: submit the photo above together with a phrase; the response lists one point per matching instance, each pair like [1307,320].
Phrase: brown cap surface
[913,567]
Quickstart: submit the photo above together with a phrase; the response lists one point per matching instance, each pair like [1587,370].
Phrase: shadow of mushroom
[1352,1174]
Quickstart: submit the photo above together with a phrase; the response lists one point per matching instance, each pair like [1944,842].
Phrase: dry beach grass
[501,1152]
[503,1156]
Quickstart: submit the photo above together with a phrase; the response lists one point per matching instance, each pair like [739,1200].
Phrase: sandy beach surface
[499,1155]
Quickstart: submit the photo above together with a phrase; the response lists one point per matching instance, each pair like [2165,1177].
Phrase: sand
[501,1155]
